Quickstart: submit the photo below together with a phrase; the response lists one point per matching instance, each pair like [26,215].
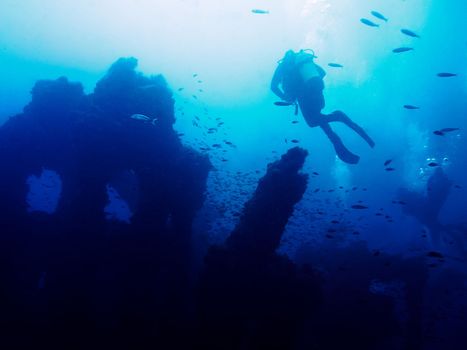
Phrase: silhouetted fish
[368,22]
[410,33]
[379,15]
[411,107]
[387,162]
[260,12]
[438,132]
[294,121]
[402,49]
[434,254]
[335,65]
[283,103]
[359,206]
[389,169]
[446,75]
[433,164]
[294,141]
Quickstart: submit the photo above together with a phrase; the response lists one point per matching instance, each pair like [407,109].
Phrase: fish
[283,103]
[379,15]
[446,75]
[180,89]
[359,206]
[294,141]
[449,129]
[433,164]
[315,173]
[402,49]
[387,162]
[438,132]
[368,22]
[260,12]
[389,169]
[434,254]
[411,107]
[410,33]
[294,121]
[335,65]
[143,118]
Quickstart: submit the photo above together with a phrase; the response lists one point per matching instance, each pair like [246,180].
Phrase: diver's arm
[276,81]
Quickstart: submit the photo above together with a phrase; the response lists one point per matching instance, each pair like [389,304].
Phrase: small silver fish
[335,65]
[359,206]
[368,22]
[260,12]
[283,103]
[410,33]
[144,118]
[411,107]
[446,75]
[379,15]
[402,49]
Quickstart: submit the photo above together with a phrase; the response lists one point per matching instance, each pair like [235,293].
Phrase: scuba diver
[298,79]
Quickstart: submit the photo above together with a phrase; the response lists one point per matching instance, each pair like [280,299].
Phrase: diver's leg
[339,116]
[342,152]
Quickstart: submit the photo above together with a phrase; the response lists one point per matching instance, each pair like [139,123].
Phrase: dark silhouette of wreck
[75,280]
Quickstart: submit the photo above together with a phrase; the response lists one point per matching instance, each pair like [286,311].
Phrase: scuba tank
[305,65]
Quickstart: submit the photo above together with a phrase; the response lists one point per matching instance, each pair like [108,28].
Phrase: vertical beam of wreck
[251,297]
[265,215]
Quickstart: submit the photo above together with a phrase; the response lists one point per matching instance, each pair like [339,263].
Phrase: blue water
[218,59]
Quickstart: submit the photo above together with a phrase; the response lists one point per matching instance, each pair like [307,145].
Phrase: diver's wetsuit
[311,101]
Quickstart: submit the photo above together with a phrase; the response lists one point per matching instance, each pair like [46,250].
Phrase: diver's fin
[346,156]
[342,152]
